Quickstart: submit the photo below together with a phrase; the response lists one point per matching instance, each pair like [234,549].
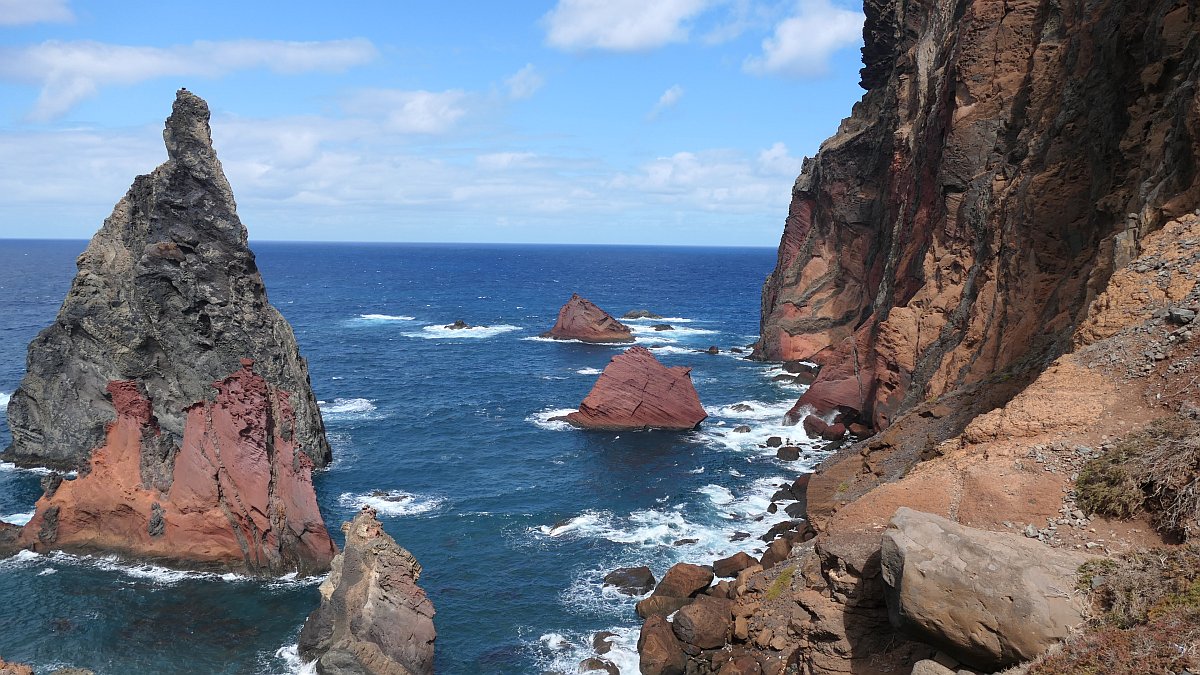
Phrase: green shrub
[782,582]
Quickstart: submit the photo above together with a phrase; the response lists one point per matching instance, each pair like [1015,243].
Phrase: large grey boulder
[990,599]
[373,619]
[168,295]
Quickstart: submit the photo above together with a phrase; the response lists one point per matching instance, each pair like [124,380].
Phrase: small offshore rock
[631,580]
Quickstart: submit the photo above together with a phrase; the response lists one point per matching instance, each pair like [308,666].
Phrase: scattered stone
[788,453]
[774,441]
[1180,316]
[729,567]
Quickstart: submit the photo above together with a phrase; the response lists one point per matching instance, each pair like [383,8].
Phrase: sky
[558,121]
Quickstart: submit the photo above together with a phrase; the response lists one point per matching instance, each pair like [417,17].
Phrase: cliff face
[167,295]
[238,494]
[1007,157]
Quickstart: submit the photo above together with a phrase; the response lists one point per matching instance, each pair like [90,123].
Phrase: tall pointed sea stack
[168,296]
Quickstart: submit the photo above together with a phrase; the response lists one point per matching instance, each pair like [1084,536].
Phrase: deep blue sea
[515,519]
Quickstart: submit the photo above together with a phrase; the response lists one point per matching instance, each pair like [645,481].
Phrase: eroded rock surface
[635,391]
[167,295]
[1006,158]
[581,320]
[373,619]
[238,494]
[991,599]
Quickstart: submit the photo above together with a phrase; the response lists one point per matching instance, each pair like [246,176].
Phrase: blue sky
[568,121]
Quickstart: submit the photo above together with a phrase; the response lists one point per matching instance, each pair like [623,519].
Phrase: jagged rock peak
[167,295]
[373,618]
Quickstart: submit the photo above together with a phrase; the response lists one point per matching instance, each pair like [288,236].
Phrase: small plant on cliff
[782,582]
[1157,468]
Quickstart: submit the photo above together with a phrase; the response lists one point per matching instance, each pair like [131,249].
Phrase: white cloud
[499,161]
[410,112]
[668,100]
[619,25]
[19,12]
[69,72]
[802,43]
[776,160]
[524,83]
[714,180]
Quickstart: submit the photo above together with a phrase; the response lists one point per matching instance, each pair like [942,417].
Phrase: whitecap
[48,570]
[717,494]
[543,419]
[589,371]
[477,332]
[348,409]
[382,318]
[290,655]
[584,523]
[18,518]
[391,502]
[539,338]
[670,349]
[561,653]
[676,331]
[665,319]
[697,470]
[41,471]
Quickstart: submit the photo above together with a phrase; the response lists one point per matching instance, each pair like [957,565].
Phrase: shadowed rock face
[167,295]
[240,495]
[373,619]
[580,320]
[635,391]
[1007,157]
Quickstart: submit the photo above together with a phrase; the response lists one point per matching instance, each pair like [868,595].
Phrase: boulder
[788,453]
[741,429]
[659,651]
[635,391]
[581,320]
[373,618]
[777,551]
[659,605]
[713,350]
[816,427]
[704,623]
[239,494]
[729,567]
[773,441]
[593,664]
[167,295]
[990,599]
[631,580]
[602,642]
[684,580]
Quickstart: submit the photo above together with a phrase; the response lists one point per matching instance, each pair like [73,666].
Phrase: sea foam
[381,318]
[391,502]
[18,518]
[4,400]
[440,332]
[543,419]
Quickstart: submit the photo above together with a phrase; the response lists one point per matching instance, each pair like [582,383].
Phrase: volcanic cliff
[167,295]
[1007,156]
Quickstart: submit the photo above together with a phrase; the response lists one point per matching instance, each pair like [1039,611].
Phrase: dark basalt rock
[168,295]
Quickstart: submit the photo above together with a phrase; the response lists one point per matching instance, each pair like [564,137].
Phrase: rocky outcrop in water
[237,495]
[373,619]
[167,295]
[581,320]
[635,391]
[1006,158]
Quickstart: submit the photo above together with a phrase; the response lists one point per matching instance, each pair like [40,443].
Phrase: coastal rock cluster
[167,295]
[1006,158]
[373,616]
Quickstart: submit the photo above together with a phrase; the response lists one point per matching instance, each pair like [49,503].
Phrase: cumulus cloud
[668,100]
[410,112]
[20,12]
[802,43]
[619,25]
[69,72]
[524,83]
[776,160]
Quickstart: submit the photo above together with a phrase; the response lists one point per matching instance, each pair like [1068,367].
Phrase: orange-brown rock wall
[1007,157]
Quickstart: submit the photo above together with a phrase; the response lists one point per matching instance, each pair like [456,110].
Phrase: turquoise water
[515,519]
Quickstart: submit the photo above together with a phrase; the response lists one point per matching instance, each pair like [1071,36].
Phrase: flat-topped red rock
[635,391]
[581,320]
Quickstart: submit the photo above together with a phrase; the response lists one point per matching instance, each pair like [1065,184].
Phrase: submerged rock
[631,580]
[238,496]
[635,391]
[373,619]
[460,325]
[581,320]
[640,314]
[167,295]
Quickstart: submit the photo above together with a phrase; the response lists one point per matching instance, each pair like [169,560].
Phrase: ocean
[515,518]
